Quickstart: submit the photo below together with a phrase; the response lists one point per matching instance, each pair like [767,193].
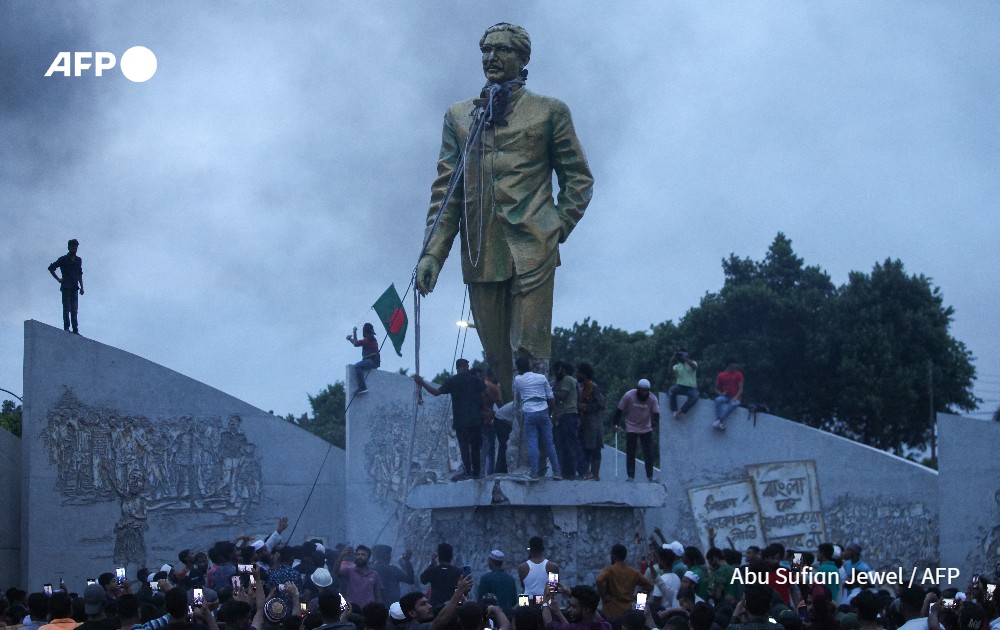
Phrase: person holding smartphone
[441,575]
[363,583]
[617,583]
[583,601]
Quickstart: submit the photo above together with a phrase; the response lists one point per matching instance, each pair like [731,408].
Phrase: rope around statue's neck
[490,112]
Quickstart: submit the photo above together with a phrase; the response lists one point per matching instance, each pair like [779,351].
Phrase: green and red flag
[390,311]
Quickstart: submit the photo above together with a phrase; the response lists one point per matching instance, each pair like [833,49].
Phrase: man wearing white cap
[499,583]
[641,412]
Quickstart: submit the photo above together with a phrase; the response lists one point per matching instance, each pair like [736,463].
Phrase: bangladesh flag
[390,310]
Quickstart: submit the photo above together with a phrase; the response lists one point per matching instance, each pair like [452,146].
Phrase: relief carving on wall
[196,463]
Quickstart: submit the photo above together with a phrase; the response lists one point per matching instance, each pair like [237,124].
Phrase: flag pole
[416,340]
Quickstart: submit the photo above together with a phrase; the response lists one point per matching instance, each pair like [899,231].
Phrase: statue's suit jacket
[522,226]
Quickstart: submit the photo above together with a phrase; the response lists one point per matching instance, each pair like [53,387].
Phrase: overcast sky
[240,212]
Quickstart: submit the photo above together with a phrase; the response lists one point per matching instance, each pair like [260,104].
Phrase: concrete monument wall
[774,480]
[128,462]
[969,464]
[392,445]
[10,509]
[401,455]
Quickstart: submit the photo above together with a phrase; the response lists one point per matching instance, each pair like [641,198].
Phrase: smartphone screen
[245,568]
[154,586]
[47,589]
[553,582]
[91,581]
[797,557]
[120,574]
[640,601]
[989,590]
[948,602]
[253,582]
[539,599]
[304,608]
[237,584]
[199,598]
[522,600]
[343,604]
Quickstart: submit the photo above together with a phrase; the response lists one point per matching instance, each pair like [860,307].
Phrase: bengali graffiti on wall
[776,502]
[149,465]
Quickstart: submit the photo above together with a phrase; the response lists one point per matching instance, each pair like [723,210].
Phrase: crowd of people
[269,584]
[563,418]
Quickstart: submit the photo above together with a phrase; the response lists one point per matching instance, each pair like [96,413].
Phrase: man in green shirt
[824,553]
[567,422]
[722,587]
[686,383]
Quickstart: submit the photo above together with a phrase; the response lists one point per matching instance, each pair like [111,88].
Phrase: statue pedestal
[400,456]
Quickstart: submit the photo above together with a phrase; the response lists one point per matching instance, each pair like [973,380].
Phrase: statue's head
[506,51]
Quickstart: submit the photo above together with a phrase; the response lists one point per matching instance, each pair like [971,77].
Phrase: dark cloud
[240,212]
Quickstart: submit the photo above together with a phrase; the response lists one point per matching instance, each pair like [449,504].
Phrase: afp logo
[138,64]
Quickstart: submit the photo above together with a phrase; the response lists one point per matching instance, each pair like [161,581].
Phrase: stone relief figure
[991,542]
[130,545]
[170,464]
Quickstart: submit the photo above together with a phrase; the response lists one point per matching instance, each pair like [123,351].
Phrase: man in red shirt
[729,387]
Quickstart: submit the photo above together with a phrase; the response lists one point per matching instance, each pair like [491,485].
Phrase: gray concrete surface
[775,480]
[10,509]
[113,464]
[969,487]
[127,462]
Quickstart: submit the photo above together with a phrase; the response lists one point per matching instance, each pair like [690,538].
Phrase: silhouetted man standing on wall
[71,267]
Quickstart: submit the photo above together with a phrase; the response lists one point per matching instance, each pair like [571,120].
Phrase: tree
[886,329]
[619,358]
[852,360]
[327,420]
[767,317]
[10,417]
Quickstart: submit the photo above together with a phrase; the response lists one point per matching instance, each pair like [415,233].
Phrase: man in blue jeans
[533,394]
[729,387]
[369,355]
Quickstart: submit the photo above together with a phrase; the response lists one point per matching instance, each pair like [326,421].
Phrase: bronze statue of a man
[510,225]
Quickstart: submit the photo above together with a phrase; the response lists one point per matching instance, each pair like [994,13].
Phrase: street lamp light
[464,324]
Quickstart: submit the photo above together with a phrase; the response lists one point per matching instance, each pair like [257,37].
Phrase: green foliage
[852,360]
[10,417]
[444,375]
[766,317]
[888,337]
[619,358]
[855,360]
[327,420]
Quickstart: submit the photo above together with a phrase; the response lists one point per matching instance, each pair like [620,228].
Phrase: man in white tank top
[534,572]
